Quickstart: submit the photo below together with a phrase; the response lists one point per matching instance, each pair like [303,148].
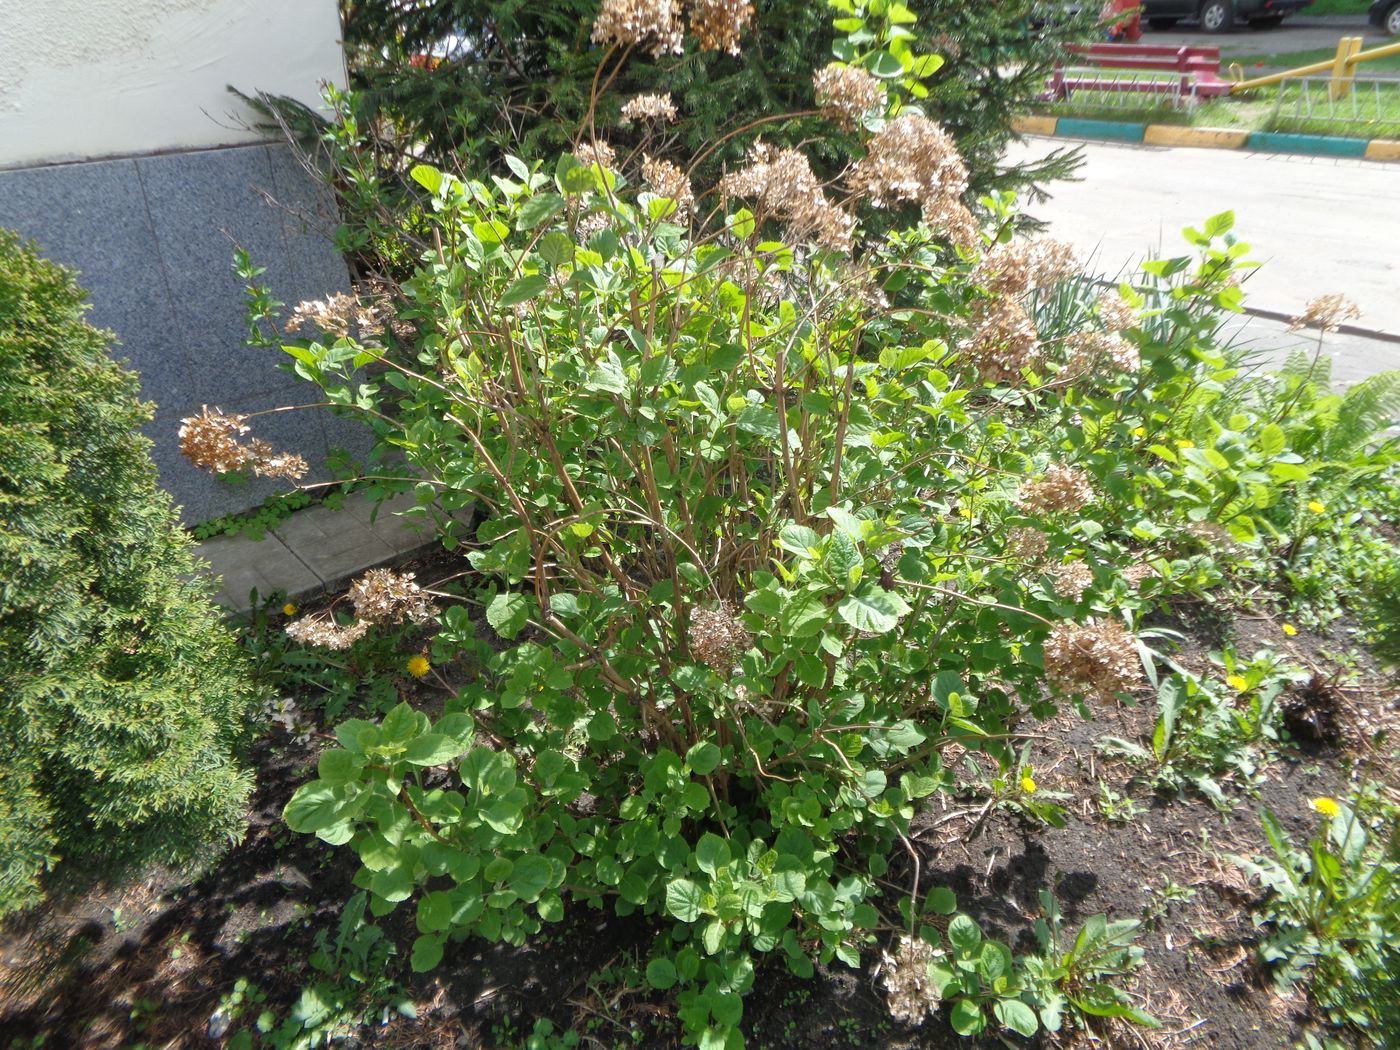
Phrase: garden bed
[165,959]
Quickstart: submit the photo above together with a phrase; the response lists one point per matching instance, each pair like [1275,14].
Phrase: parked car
[1386,14]
[1220,16]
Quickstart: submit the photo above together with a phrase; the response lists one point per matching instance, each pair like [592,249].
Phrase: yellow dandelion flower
[1028,784]
[1289,630]
[418,666]
[289,609]
[1185,443]
[1139,432]
[1316,507]
[1326,806]
[1237,683]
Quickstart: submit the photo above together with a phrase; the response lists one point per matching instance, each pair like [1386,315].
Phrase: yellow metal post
[1344,67]
[1353,59]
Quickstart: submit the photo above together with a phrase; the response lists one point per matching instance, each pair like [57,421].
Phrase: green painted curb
[1099,129]
[1314,145]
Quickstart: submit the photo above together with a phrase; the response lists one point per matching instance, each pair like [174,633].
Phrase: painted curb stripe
[1315,145]
[1208,138]
[1383,149]
[1100,129]
[1031,125]
[1202,138]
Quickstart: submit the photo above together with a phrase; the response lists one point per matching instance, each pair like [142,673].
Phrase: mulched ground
[147,964]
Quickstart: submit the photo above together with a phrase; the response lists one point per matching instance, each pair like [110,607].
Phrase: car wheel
[1392,20]
[1217,16]
[1162,23]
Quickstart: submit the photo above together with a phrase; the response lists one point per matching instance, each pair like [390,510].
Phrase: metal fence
[1126,89]
[1318,100]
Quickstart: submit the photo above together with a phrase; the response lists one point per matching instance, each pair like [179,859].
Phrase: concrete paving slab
[267,565]
[403,532]
[334,544]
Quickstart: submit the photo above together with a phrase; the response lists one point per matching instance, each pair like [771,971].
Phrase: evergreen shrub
[124,696]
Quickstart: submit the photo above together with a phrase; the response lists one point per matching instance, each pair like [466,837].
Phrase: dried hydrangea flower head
[718,24]
[1326,313]
[644,108]
[913,159]
[596,152]
[1027,543]
[1018,268]
[1004,342]
[845,93]
[1093,353]
[383,596]
[1060,489]
[210,441]
[909,990]
[340,315]
[325,632]
[716,638]
[1098,659]
[1116,314]
[1071,581]
[668,180]
[781,184]
[654,25]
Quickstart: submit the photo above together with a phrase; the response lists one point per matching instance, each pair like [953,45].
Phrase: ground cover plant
[781,515]
[125,698]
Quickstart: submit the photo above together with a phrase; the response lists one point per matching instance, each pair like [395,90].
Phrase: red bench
[1199,68]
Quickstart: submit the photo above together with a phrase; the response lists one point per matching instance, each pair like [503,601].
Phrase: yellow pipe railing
[1342,67]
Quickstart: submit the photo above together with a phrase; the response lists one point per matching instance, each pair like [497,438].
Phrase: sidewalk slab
[242,565]
[334,544]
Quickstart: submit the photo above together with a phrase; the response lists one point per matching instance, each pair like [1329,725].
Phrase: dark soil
[148,963]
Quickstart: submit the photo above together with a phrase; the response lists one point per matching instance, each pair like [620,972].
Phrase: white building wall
[81,79]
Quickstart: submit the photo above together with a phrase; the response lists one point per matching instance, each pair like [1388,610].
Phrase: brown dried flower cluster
[382,596]
[909,990]
[913,159]
[643,108]
[781,183]
[1018,268]
[325,632]
[210,441]
[1326,313]
[717,24]
[717,639]
[1136,574]
[1004,340]
[1071,581]
[596,152]
[1089,353]
[1098,659]
[652,24]
[845,94]
[340,315]
[1115,313]
[1027,543]
[1062,488]
[668,180]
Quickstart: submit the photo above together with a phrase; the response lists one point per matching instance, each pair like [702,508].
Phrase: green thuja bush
[123,694]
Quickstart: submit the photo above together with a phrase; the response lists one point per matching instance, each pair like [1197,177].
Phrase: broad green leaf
[538,209]
[711,853]
[683,900]
[427,953]
[703,758]
[508,613]
[522,290]
[661,974]
[872,609]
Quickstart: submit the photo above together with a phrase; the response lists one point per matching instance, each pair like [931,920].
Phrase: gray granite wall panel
[153,240]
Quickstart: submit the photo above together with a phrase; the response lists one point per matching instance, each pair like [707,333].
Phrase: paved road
[1300,33]
[1318,225]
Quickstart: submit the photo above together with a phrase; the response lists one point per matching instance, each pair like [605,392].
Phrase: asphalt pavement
[1299,33]
[1319,225]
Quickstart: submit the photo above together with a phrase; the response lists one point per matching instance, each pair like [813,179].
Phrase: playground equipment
[1341,67]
